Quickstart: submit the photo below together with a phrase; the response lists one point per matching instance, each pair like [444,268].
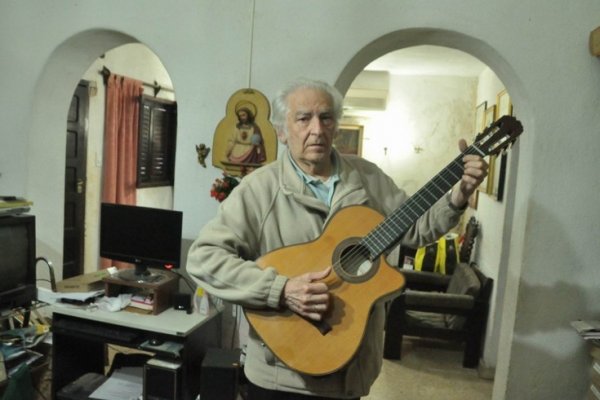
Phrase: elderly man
[289,202]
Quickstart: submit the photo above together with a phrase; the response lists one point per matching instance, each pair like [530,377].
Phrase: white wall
[417,134]
[537,49]
[491,215]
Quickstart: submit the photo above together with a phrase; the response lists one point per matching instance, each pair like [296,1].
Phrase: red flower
[222,187]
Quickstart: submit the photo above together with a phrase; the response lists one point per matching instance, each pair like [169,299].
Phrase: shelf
[162,290]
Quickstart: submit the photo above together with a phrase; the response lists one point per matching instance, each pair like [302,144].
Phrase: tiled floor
[429,370]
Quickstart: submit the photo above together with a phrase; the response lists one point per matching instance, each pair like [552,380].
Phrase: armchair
[458,313]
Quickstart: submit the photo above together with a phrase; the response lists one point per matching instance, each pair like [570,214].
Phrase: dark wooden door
[75,174]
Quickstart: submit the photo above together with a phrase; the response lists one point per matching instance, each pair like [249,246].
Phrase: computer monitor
[146,237]
[17,261]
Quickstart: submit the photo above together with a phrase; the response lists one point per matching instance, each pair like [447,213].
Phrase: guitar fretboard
[390,231]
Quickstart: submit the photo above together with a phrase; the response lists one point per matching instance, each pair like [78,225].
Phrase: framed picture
[504,103]
[473,200]
[498,167]
[349,139]
[479,127]
[498,162]
[480,117]
[490,116]
[484,186]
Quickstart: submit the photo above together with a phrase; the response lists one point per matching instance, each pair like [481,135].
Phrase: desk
[80,336]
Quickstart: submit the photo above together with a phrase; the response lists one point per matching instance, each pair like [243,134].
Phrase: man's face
[310,128]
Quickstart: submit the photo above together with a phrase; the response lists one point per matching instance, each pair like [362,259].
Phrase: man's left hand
[475,171]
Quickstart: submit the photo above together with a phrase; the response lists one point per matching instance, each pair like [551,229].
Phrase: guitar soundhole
[352,261]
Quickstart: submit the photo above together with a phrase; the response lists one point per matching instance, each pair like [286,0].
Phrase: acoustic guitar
[354,243]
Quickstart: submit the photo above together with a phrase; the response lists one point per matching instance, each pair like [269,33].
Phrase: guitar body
[355,285]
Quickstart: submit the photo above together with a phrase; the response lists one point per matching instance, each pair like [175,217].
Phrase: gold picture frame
[498,162]
[504,104]
[489,116]
[479,126]
[349,139]
[244,139]
[480,117]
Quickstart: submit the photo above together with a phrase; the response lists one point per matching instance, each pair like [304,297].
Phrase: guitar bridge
[322,326]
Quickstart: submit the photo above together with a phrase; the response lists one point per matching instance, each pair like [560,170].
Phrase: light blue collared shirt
[322,190]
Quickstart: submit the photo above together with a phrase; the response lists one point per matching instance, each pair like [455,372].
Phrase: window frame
[155,164]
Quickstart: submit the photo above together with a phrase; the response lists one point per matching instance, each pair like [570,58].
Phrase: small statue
[202,151]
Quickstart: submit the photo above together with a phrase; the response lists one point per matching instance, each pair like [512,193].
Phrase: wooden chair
[458,313]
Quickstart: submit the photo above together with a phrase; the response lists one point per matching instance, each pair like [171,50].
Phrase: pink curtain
[120,142]
[120,139]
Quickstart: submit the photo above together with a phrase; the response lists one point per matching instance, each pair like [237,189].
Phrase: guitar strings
[446,178]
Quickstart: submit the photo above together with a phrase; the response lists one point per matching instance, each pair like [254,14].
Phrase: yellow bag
[440,257]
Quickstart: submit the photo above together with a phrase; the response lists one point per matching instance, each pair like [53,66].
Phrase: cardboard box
[83,283]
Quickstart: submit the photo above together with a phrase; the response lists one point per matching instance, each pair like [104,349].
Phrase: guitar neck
[389,232]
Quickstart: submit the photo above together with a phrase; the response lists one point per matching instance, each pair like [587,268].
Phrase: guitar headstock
[499,135]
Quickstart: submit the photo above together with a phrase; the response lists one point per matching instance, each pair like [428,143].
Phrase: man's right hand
[307,297]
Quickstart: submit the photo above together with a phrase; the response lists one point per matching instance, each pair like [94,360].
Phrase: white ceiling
[428,60]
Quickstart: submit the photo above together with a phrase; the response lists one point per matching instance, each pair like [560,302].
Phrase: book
[595,350]
[28,358]
[13,202]
[14,205]
[595,374]
[142,301]
[587,329]
[594,393]
[3,376]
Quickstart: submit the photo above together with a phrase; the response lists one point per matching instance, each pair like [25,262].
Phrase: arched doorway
[83,190]
[494,215]
[46,175]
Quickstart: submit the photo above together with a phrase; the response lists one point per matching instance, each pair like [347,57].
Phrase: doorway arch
[427,36]
[500,66]
[53,92]
[139,62]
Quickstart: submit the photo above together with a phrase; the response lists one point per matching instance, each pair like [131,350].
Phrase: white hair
[280,106]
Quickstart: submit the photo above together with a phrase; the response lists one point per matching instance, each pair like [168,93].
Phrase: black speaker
[219,374]
[162,380]
[182,301]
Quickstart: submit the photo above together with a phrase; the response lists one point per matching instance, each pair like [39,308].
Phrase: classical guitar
[354,243]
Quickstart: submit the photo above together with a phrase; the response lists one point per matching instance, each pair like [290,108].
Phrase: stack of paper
[77,298]
[125,383]
[14,205]
[587,329]
[27,357]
